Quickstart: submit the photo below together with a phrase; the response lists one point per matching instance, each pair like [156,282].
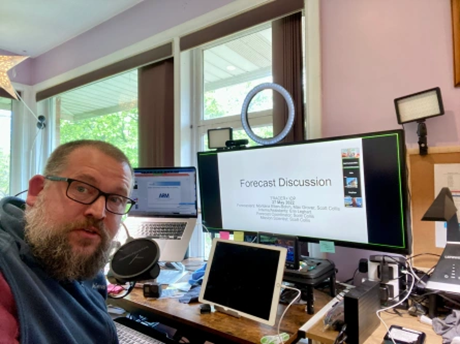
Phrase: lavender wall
[22,73]
[376,51]
[136,24]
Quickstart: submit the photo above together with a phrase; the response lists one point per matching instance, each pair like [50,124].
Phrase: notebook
[165,209]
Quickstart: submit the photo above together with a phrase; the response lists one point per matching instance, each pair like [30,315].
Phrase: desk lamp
[446,275]
[418,107]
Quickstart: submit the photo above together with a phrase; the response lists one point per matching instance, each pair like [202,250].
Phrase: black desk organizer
[308,278]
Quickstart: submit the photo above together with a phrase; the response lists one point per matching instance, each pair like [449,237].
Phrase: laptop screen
[164,192]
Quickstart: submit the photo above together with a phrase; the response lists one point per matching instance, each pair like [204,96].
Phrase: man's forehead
[92,165]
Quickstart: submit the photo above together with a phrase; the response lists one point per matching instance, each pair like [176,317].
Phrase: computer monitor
[244,279]
[289,242]
[351,190]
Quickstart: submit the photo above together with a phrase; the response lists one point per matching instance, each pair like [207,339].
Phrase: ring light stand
[135,261]
[289,123]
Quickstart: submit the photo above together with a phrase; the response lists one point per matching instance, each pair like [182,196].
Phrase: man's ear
[36,184]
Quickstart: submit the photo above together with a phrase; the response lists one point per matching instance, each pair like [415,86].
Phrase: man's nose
[97,209]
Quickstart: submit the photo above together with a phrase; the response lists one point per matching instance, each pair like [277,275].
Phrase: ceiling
[33,27]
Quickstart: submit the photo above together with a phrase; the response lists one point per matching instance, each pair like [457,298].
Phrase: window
[225,71]
[105,110]
[5,146]
[231,68]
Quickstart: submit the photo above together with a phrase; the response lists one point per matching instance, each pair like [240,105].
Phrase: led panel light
[418,106]
[218,137]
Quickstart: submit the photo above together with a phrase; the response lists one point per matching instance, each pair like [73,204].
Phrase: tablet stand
[227,311]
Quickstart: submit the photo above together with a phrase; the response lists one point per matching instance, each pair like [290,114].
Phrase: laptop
[165,209]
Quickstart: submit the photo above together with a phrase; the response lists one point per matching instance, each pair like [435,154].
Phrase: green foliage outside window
[4,173]
[119,129]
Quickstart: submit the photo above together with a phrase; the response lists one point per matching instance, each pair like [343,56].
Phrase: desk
[318,334]
[217,327]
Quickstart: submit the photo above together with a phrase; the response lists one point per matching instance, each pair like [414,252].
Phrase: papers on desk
[182,286]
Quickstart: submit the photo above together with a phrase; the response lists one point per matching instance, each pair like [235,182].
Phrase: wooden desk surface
[318,333]
[238,330]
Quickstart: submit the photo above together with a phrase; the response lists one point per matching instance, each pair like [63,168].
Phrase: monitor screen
[289,242]
[164,191]
[244,279]
[351,190]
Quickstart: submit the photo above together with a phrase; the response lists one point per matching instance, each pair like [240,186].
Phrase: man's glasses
[85,193]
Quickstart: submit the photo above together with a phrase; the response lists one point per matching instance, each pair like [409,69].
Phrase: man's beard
[50,245]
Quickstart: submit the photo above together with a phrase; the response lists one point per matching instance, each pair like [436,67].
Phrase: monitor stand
[307,278]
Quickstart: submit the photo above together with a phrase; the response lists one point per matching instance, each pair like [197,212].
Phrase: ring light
[244,113]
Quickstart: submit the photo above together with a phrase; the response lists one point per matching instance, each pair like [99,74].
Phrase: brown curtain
[287,72]
[156,114]
[5,94]
[156,54]
[256,16]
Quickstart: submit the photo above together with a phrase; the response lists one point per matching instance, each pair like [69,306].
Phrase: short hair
[58,160]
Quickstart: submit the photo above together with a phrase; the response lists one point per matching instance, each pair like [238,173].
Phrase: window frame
[257,118]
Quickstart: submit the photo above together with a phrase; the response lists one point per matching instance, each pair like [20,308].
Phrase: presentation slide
[304,190]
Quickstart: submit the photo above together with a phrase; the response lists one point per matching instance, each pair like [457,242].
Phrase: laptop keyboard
[127,335]
[161,230]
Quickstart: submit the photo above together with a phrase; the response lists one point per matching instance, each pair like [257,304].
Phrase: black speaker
[360,306]
[136,260]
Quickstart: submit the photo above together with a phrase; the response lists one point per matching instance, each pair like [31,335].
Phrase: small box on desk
[360,306]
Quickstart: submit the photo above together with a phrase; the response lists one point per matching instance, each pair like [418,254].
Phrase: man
[52,289]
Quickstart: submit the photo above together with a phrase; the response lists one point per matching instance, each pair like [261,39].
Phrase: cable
[396,304]
[19,96]
[207,230]
[129,237]
[122,295]
[285,310]
[449,299]
[430,270]
[20,193]
[351,280]
[31,151]
[342,336]
[409,263]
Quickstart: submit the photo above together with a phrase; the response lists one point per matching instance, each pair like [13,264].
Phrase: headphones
[137,260]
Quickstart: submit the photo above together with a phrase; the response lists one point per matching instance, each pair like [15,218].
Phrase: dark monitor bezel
[407,233]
